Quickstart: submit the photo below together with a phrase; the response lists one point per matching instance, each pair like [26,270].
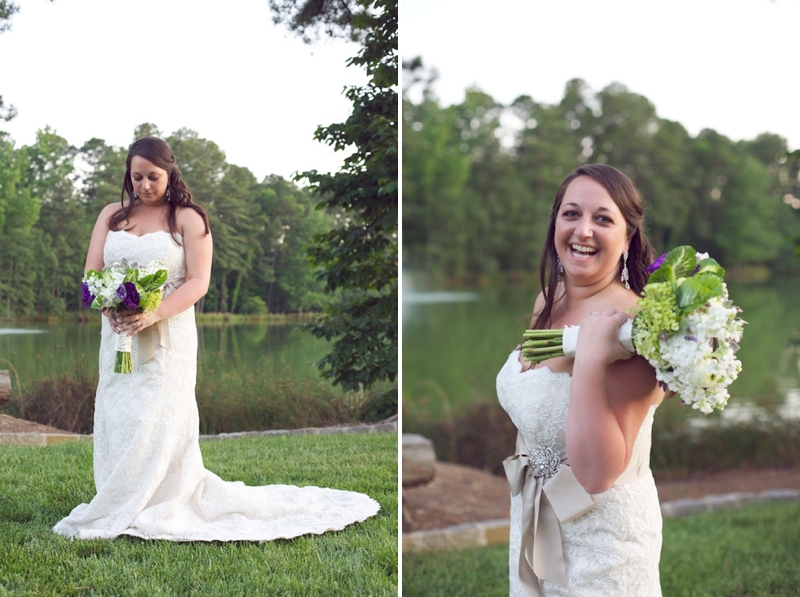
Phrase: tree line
[51,193]
[479,179]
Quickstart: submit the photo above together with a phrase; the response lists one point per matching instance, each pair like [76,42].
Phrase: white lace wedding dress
[614,548]
[148,470]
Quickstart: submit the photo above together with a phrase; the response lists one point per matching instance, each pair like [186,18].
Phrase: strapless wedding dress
[614,548]
[148,470]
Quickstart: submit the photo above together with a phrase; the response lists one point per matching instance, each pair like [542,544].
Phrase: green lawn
[753,551]
[38,486]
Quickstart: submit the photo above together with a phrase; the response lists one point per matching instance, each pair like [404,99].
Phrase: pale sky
[729,65]
[99,68]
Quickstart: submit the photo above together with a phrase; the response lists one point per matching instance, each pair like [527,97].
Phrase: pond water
[455,343]
[40,350]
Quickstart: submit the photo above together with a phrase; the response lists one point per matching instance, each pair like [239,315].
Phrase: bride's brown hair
[157,151]
[640,253]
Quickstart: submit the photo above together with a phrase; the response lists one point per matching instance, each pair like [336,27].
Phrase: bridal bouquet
[687,328]
[122,286]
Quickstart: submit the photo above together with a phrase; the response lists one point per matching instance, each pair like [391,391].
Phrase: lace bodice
[615,548]
[153,246]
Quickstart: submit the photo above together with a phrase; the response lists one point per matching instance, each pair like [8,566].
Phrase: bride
[148,470]
[585,517]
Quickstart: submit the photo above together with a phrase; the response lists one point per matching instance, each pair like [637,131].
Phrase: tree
[305,17]
[359,256]
[62,220]
[19,212]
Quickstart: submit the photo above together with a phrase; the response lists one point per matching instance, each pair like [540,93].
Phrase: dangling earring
[168,199]
[625,276]
[560,267]
[135,196]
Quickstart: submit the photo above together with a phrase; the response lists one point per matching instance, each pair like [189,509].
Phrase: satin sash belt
[150,337]
[551,495]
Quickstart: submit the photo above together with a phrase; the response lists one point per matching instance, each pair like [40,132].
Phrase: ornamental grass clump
[686,327]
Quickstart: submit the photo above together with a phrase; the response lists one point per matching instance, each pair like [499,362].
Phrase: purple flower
[691,337]
[129,295]
[655,265]
[87,296]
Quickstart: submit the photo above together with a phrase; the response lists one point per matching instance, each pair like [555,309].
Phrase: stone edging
[490,532]
[48,439]
[35,438]
[386,427]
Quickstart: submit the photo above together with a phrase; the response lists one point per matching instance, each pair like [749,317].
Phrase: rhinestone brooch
[543,462]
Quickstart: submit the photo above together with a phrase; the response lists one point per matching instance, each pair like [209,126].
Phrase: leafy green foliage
[359,256]
[683,260]
[7,10]
[665,273]
[477,194]
[697,290]
[336,18]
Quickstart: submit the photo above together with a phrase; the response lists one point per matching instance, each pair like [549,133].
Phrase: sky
[99,68]
[728,65]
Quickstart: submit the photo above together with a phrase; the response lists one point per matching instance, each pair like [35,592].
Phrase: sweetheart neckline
[542,368]
[146,233]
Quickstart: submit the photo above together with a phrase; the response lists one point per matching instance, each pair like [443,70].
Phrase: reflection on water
[458,347]
[279,351]
[439,297]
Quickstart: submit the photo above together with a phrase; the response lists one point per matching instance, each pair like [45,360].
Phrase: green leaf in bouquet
[710,266]
[154,281]
[132,275]
[665,273]
[683,260]
[698,290]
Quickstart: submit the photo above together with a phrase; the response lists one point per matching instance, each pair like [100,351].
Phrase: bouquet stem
[123,362]
[540,345]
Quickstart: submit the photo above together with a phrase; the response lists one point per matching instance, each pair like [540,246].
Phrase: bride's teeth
[583,250]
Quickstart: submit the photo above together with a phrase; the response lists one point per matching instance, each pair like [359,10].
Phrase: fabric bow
[549,498]
[150,337]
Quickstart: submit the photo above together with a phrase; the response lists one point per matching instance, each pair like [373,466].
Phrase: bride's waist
[638,467]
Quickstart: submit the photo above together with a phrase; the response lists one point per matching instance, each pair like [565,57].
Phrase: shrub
[254,305]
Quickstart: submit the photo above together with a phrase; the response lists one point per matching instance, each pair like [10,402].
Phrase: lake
[40,350]
[454,343]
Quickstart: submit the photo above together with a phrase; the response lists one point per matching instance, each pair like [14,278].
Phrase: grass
[40,486]
[752,551]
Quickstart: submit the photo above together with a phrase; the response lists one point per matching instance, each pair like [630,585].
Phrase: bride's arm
[199,248]
[609,399]
[94,256]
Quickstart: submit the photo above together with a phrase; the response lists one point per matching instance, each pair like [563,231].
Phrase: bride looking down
[148,469]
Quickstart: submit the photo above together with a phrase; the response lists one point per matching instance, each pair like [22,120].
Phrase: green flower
[658,314]
[150,302]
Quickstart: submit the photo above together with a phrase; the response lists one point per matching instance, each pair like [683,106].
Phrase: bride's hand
[598,338]
[132,323]
[113,320]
